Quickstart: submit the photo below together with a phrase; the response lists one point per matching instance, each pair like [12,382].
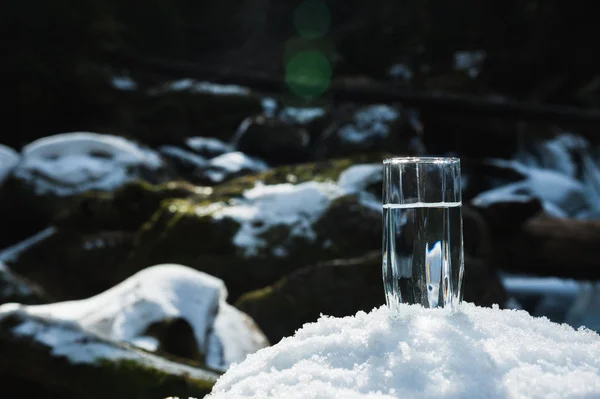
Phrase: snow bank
[69,163]
[124,312]
[369,123]
[423,353]
[9,158]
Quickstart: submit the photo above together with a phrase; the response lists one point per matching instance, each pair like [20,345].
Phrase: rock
[186,108]
[14,288]
[374,128]
[273,140]
[208,147]
[345,286]
[169,308]
[53,358]
[96,230]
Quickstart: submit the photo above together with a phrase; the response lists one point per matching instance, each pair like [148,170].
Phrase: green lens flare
[308,74]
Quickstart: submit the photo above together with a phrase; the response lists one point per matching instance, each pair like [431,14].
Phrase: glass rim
[435,160]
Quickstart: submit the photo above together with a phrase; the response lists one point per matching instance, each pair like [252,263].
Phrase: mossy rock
[186,232]
[77,365]
[79,256]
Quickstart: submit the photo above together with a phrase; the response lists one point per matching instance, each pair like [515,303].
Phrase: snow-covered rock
[560,195]
[125,312]
[9,158]
[50,355]
[232,164]
[560,172]
[266,206]
[71,163]
[423,353]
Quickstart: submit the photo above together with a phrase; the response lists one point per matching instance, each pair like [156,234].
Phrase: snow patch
[9,159]
[208,146]
[369,123]
[195,86]
[469,61]
[422,353]
[265,206]
[301,115]
[124,83]
[400,71]
[223,166]
[70,163]
[124,312]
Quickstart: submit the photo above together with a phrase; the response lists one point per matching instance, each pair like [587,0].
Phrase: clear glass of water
[422,237]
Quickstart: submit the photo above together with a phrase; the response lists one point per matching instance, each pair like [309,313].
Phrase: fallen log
[547,246]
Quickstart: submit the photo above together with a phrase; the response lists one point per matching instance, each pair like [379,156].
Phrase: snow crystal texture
[423,353]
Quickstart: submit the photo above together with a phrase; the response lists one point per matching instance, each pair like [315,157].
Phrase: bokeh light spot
[308,74]
[312,19]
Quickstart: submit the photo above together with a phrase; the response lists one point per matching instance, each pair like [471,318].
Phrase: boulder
[273,140]
[185,108]
[96,230]
[42,356]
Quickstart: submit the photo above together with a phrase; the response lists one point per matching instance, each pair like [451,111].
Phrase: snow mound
[423,353]
[70,163]
[124,312]
[9,158]
[369,123]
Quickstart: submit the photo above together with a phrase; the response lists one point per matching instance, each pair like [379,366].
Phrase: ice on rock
[9,159]
[301,115]
[476,353]
[183,156]
[69,163]
[195,86]
[124,312]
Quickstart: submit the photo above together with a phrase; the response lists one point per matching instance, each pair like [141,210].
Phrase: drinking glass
[422,237]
